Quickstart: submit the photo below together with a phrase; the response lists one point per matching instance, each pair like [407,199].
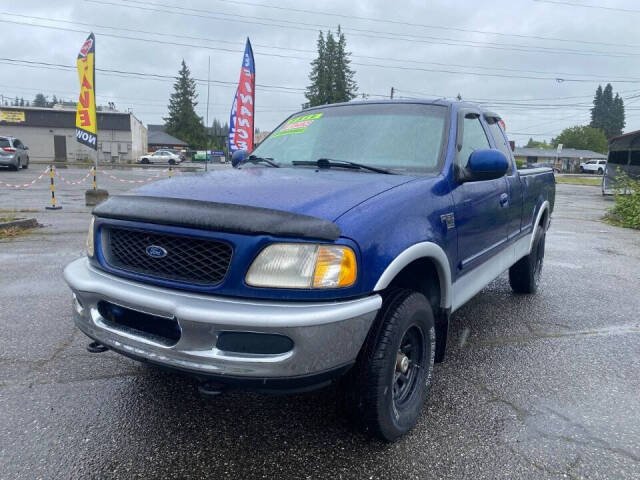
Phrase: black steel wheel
[524,276]
[387,387]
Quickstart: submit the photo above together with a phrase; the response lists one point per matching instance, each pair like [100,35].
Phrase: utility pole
[392,91]
[206,159]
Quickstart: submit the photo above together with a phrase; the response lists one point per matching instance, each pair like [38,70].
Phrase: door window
[473,138]
[500,141]
[17,143]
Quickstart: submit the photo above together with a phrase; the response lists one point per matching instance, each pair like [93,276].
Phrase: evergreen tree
[332,79]
[40,101]
[617,116]
[318,92]
[183,122]
[607,113]
[16,102]
[21,102]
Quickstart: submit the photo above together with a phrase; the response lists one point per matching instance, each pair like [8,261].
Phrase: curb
[21,223]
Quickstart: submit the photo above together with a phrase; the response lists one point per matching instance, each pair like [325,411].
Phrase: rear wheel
[172,161]
[144,160]
[600,171]
[390,381]
[524,276]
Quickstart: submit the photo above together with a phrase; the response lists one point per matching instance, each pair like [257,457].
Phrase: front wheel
[145,161]
[524,276]
[172,161]
[600,171]
[391,378]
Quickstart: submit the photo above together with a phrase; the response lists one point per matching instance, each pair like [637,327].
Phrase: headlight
[90,238]
[303,265]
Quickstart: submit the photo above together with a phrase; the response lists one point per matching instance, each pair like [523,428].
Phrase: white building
[50,134]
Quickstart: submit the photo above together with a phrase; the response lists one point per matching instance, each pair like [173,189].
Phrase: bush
[626,212]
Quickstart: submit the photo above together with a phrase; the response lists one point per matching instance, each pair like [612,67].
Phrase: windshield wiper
[331,162]
[255,159]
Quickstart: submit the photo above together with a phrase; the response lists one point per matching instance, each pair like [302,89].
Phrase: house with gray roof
[159,138]
[568,160]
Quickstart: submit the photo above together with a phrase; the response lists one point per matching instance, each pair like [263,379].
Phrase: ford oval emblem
[155,251]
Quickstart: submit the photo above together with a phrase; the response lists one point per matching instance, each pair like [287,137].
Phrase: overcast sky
[507,54]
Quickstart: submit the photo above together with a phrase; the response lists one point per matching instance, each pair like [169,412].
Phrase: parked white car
[593,166]
[161,156]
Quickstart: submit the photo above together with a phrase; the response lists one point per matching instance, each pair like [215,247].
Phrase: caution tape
[25,185]
[68,182]
[124,180]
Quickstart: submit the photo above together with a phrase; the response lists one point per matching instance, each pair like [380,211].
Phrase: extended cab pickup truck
[338,249]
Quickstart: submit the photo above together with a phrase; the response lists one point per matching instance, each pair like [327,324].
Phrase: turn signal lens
[335,267]
[90,251]
[303,265]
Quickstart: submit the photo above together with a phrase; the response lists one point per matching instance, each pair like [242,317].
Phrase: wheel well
[543,218]
[421,275]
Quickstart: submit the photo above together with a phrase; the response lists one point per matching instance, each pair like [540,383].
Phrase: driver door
[481,206]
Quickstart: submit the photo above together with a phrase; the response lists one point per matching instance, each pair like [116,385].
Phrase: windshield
[397,137]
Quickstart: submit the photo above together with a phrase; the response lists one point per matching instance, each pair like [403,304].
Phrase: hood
[325,194]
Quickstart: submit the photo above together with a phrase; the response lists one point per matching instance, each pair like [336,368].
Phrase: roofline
[49,109]
[635,132]
[420,101]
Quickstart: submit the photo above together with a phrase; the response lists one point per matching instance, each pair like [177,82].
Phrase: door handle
[504,200]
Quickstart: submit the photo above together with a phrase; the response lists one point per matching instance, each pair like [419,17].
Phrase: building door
[60,148]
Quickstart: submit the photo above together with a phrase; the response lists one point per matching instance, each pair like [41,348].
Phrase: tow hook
[96,347]
[210,389]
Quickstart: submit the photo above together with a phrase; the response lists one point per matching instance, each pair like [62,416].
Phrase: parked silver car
[161,156]
[13,153]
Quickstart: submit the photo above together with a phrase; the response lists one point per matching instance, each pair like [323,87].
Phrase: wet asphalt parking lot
[544,386]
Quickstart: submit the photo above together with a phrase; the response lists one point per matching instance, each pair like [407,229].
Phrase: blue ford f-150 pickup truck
[338,249]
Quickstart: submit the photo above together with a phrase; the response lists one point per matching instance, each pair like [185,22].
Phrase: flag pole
[206,159]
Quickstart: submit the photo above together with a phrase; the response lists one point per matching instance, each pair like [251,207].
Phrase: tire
[26,165]
[581,170]
[172,161]
[600,171]
[524,275]
[385,394]
[144,160]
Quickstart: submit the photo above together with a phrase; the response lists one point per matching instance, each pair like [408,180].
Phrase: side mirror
[238,157]
[485,165]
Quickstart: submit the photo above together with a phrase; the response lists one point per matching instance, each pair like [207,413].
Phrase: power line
[296,25]
[599,7]
[208,39]
[423,25]
[397,67]
[157,76]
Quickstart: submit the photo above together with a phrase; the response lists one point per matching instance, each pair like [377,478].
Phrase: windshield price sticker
[298,124]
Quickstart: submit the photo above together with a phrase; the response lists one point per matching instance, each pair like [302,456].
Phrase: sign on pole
[86,122]
[241,122]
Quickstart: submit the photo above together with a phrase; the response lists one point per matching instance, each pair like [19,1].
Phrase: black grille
[188,259]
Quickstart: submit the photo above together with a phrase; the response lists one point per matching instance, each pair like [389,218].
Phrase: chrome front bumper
[326,335]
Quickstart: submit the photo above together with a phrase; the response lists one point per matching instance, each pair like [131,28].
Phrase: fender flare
[543,208]
[429,250]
